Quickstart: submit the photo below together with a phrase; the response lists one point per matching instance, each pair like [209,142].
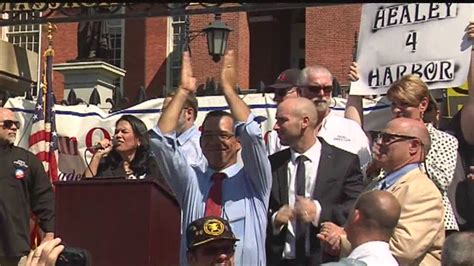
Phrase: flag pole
[44,128]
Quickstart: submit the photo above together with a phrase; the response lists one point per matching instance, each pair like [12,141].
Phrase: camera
[74,257]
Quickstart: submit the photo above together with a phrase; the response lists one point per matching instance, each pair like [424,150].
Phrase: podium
[120,222]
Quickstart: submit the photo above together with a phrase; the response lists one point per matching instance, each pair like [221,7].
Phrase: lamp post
[217,33]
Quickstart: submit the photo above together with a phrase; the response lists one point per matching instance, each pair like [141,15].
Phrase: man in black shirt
[24,189]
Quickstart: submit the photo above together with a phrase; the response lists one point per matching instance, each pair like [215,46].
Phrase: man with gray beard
[315,83]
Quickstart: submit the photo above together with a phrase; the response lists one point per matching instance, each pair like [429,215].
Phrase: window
[179,28]
[26,36]
[115,37]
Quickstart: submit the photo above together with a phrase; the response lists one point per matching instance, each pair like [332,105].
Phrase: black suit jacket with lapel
[338,184]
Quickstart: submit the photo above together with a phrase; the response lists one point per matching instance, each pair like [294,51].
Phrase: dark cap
[286,79]
[208,229]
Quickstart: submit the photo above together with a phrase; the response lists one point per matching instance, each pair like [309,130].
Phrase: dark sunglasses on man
[317,88]
[386,137]
[7,124]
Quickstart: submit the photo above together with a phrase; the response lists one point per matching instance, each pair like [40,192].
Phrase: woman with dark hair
[130,156]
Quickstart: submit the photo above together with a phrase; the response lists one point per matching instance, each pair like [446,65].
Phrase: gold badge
[213,227]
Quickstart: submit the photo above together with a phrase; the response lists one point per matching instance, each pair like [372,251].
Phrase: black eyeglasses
[317,88]
[387,137]
[9,123]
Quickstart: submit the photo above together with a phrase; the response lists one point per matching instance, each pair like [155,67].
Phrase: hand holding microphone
[104,146]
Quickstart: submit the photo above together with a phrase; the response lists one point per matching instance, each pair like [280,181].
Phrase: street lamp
[217,33]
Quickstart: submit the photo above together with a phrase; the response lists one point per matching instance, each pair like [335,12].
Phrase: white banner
[82,126]
[427,39]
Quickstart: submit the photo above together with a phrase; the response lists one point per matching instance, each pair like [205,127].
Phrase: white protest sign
[426,39]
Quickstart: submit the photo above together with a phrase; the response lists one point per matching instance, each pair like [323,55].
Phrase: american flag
[43,140]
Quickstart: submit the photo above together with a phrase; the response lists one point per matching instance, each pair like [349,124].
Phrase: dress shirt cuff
[275,230]
[169,138]
[315,222]
[240,125]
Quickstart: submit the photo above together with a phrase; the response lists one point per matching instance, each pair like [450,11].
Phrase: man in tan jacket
[417,240]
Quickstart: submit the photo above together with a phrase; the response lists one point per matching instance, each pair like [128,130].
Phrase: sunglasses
[9,123]
[386,137]
[317,88]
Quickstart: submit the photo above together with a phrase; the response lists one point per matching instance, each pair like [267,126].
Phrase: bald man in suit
[331,184]
[418,237]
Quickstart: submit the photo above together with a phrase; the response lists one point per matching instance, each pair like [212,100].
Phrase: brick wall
[145,56]
[330,37]
[64,45]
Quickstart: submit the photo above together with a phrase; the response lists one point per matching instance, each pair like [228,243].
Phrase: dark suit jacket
[338,184]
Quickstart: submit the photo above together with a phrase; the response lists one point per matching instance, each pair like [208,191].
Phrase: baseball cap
[207,229]
[286,79]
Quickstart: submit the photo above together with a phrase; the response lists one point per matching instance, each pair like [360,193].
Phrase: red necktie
[214,199]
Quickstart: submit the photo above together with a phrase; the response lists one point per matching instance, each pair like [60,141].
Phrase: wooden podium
[120,222]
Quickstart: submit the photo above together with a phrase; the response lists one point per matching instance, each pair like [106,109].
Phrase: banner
[81,126]
[426,39]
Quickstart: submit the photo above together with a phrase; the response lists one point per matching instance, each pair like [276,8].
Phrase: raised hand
[188,82]
[229,71]
[353,72]
[470,30]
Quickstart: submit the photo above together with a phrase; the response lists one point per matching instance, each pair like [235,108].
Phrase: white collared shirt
[374,253]
[311,169]
[346,135]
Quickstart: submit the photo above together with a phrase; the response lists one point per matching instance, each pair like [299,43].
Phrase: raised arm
[237,106]
[172,164]
[170,116]
[254,155]
[467,112]
[354,109]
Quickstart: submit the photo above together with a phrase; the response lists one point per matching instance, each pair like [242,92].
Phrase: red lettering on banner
[91,133]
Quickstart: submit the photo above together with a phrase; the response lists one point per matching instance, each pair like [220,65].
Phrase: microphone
[97,146]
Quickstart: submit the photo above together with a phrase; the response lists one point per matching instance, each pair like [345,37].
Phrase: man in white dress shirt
[369,228]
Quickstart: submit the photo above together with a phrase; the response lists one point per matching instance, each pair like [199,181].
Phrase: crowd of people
[319,191]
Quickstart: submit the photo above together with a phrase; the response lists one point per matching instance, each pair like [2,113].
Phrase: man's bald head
[373,218]
[380,211]
[301,107]
[296,122]
[411,127]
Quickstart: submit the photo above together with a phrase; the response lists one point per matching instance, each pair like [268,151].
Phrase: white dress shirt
[311,169]
[374,253]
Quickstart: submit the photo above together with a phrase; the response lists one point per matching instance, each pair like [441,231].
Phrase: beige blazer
[419,235]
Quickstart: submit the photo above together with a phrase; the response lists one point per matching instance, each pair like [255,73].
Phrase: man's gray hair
[458,249]
[303,79]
